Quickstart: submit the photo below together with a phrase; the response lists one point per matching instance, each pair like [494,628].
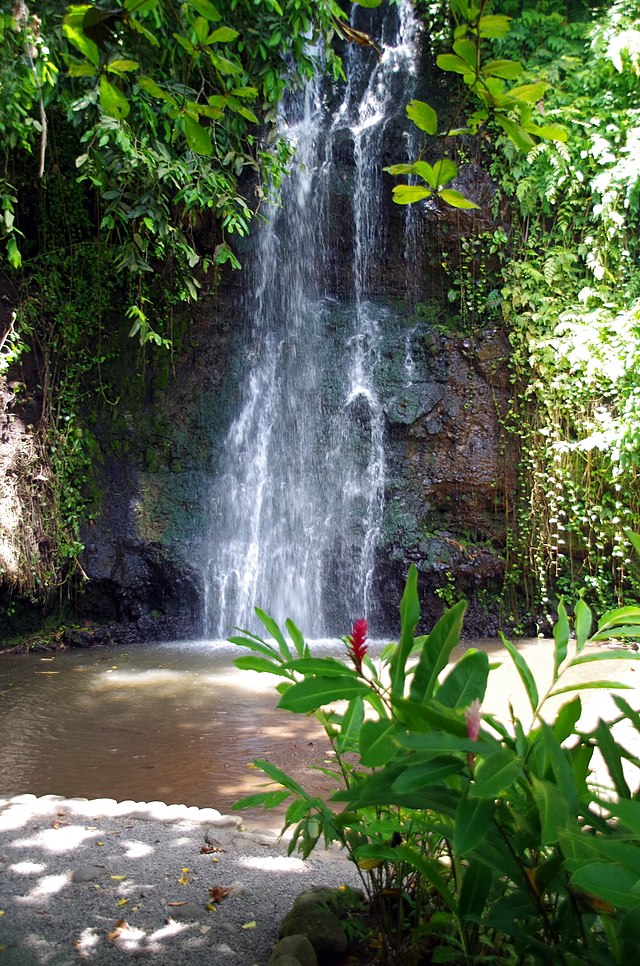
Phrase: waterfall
[298,497]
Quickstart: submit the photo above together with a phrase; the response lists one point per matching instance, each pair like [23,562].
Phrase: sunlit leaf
[122,66]
[423,116]
[406,194]
[468,50]
[560,636]
[451,62]
[456,199]
[112,101]
[507,69]
[315,692]
[376,742]
[524,672]
[494,25]
[81,42]
[528,93]
[522,140]
[223,35]
[205,9]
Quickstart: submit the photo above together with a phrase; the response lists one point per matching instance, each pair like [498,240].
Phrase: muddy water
[178,723]
[168,722]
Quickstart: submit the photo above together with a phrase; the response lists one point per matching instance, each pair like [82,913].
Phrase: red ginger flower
[357,643]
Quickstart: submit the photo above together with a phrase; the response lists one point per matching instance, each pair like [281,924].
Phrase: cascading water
[299,496]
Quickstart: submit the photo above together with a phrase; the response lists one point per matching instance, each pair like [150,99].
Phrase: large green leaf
[423,116]
[561,637]
[260,664]
[456,199]
[348,739]
[466,682]
[297,637]
[524,672]
[451,62]
[582,621]
[611,752]
[325,666]
[552,809]
[495,773]
[473,821]
[409,617]
[254,643]
[281,777]
[313,693]
[619,617]
[494,25]
[406,194]
[376,742]
[438,741]
[429,717]
[522,140]
[74,34]
[206,9]
[476,886]
[560,760]
[198,137]
[567,718]
[275,632]
[112,101]
[426,773]
[507,69]
[223,35]
[610,882]
[436,652]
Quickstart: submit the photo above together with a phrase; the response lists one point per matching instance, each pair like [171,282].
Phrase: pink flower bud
[473,718]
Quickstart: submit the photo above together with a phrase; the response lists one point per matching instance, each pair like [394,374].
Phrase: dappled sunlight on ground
[110,883]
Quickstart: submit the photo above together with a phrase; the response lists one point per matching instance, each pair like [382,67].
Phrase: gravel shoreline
[97,881]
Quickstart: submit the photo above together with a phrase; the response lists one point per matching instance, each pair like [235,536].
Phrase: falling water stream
[298,500]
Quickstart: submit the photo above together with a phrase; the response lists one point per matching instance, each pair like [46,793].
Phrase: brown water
[168,722]
[178,723]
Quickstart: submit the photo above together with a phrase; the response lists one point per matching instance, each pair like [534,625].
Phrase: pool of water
[170,722]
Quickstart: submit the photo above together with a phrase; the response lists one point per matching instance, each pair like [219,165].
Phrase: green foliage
[493,838]
[569,300]
[511,109]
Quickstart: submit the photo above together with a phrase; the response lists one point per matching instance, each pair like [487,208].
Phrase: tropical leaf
[112,101]
[275,632]
[561,637]
[495,774]
[376,742]
[507,69]
[524,672]
[456,199]
[436,652]
[423,116]
[466,682]
[409,617]
[313,693]
[406,194]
